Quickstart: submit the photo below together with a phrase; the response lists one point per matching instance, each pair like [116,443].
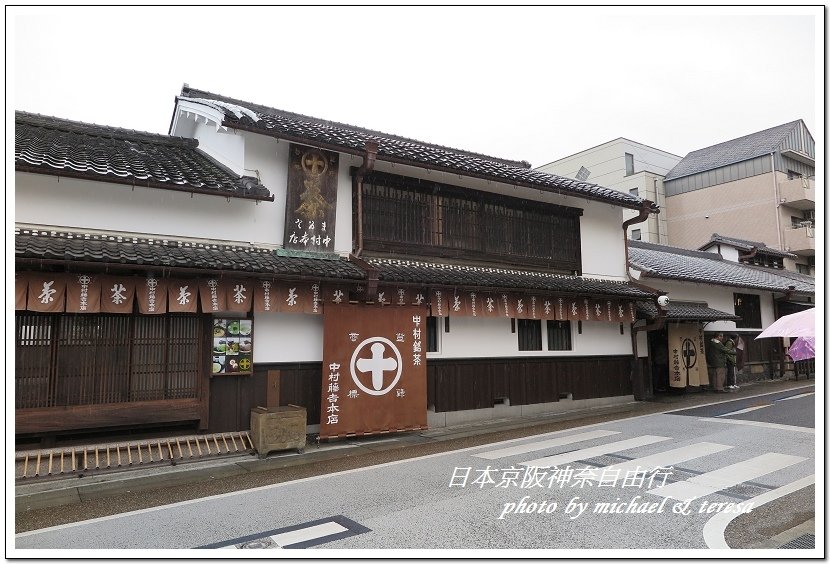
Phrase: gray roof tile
[745,245]
[660,261]
[49,145]
[734,151]
[171,253]
[351,139]
[685,312]
[478,276]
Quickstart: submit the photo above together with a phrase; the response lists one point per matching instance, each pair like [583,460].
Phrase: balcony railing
[798,193]
[801,239]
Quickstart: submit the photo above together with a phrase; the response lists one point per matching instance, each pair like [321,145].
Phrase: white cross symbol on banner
[377,365]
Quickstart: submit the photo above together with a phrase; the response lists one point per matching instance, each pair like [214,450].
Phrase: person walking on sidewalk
[716,355]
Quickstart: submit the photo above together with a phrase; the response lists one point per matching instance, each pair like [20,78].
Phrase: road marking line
[718,402]
[728,476]
[530,447]
[747,410]
[669,457]
[760,424]
[308,534]
[304,535]
[591,452]
[714,529]
[798,396]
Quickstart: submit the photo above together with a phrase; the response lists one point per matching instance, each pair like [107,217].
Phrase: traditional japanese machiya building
[257,257]
[713,292]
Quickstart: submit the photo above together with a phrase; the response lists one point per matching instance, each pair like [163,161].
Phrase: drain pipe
[640,389]
[357,186]
[777,202]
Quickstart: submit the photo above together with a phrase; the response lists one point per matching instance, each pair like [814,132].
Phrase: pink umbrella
[801,324]
[803,348]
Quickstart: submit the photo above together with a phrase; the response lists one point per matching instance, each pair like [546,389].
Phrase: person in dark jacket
[716,355]
[731,362]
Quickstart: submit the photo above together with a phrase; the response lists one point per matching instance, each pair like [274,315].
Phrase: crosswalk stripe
[747,410]
[559,441]
[309,533]
[669,457]
[728,476]
[590,452]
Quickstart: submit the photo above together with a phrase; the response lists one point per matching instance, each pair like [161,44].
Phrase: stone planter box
[278,428]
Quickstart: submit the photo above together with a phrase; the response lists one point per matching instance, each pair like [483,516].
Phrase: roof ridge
[674,250]
[98,130]
[100,235]
[759,245]
[769,129]
[522,164]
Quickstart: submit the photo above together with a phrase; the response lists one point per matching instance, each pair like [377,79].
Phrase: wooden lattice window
[85,359]
[412,216]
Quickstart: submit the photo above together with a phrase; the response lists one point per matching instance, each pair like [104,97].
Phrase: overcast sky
[524,83]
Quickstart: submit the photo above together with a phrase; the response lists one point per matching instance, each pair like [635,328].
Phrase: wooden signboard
[311,199]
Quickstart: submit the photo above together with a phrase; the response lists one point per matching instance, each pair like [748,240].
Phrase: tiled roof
[660,261]
[731,152]
[171,253]
[463,276]
[685,312]
[745,245]
[48,145]
[351,139]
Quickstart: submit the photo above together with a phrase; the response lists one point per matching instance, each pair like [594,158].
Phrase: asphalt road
[785,408]
[494,496]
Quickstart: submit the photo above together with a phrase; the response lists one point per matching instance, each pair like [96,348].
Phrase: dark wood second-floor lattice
[417,217]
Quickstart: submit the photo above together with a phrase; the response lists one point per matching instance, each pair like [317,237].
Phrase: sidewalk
[124,490]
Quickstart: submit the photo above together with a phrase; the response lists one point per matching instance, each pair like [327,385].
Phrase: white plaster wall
[81,204]
[227,147]
[288,337]
[491,338]
[268,158]
[729,253]
[717,297]
[603,244]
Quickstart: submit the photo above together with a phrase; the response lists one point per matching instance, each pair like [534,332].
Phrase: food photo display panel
[233,346]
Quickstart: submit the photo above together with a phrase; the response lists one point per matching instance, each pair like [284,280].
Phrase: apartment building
[759,187]
[627,166]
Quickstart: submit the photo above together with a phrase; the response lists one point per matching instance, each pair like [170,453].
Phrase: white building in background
[627,166]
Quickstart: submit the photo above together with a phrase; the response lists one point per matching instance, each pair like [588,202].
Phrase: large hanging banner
[374,370]
[311,200]
[686,356]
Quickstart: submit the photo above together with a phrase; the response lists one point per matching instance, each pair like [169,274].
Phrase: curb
[778,541]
